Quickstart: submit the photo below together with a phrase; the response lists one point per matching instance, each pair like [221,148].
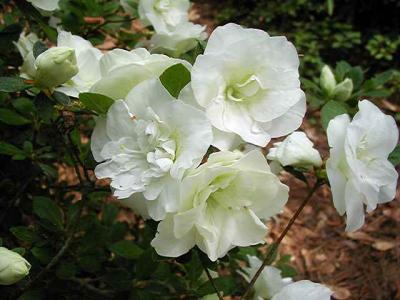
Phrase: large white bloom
[179,39]
[147,142]
[122,70]
[222,204]
[248,83]
[271,285]
[163,14]
[295,150]
[88,61]
[13,267]
[358,169]
[46,5]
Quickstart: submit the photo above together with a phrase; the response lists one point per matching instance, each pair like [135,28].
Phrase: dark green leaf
[21,251]
[382,78]
[49,170]
[61,98]
[13,84]
[10,117]
[110,213]
[24,105]
[9,149]
[47,210]
[96,102]
[38,48]
[194,268]
[44,255]
[175,78]
[330,5]
[226,285]
[126,249]
[394,157]
[331,110]
[32,295]
[66,270]
[341,70]
[118,279]
[357,76]
[25,234]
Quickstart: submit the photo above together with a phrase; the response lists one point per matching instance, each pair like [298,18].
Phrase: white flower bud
[55,67]
[327,80]
[343,90]
[13,267]
[296,150]
[45,5]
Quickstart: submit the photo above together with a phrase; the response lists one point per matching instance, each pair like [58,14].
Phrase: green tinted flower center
[244,89]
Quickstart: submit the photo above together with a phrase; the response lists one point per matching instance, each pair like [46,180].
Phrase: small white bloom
[163,14]
[25,47]
[295,150]
[271,285]
[55,66]
[46,5]
[327,80]
[304,289]
[178,40]
[343,90]
[122,70]
[358,168]
[147,142]
[13,267]
[88,62]
[248,83]
[222,203]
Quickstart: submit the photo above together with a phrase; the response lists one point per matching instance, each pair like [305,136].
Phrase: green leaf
[61,98]
[330,5]
[341,70]
[394,157]
[10,117]
[38,48]
[194,268]
[96,102]
[13,84]
[43,255]
[47,210]
[357,76]
[21,251]
[24,105]
[9,149]
[175,78]
[382,78]
[330,110]
[25,234]
[110,212]
[226,285]
[48,170]
[66,271]
[126,249]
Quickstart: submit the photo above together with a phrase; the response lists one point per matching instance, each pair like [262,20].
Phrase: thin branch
[211,280]
[103,293]
[274,247]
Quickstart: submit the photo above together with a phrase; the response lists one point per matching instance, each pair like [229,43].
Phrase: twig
[103,293]
[274,247]
[211,280]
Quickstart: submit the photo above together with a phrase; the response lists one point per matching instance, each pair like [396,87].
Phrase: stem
[274,247]
[211,280]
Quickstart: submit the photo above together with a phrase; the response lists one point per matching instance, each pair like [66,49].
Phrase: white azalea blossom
[88,62]
[46,5]
[13,267]
[358,168]
[248,83]
[271,285]
[55,66]
[295,150]
[25,47]
[122,70]
[182,38]
[222,203]
[163,14]
[146,143]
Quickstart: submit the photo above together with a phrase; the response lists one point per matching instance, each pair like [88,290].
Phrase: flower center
[162,6]
[243,90]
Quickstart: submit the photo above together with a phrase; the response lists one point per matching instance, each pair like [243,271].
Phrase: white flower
[270,281]
[295,150]
[358,169]
[304,289]
[25,47]
[221,204]
[122,70]
[271,285]
[248,83]
[163,14]
[55,66]
[13,267]
[46,5]
[88,61]
[178,40]
[147,142]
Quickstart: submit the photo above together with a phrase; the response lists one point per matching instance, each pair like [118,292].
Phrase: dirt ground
[364,265]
